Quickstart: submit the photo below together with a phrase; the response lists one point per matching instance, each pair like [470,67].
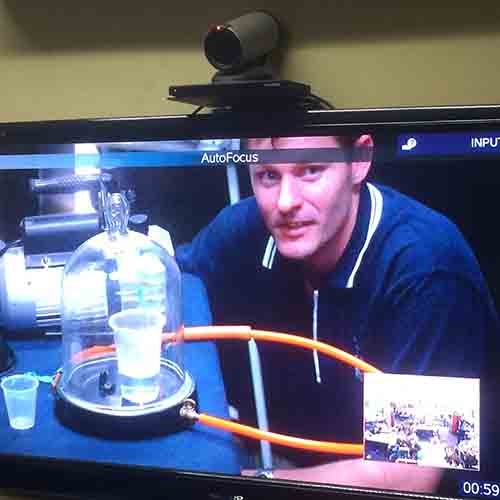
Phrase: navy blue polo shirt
[407,296]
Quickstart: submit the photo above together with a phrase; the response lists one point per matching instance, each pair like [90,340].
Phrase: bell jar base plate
[97,400]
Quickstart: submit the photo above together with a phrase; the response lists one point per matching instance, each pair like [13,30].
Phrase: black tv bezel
[227,124]
[89,479]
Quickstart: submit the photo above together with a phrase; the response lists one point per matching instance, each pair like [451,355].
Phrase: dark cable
[197,110]
[323,102]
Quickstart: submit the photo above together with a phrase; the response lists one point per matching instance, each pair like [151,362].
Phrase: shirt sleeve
[216,249]
[435,324]
[202,255]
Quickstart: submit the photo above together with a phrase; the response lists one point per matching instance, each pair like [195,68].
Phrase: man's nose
[289,195]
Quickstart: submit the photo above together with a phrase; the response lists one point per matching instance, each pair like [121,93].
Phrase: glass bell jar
[122,328]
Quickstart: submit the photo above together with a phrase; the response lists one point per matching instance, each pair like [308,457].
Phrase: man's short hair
[346,143]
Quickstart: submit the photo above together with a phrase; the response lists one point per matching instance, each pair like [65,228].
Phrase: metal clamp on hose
[188,410]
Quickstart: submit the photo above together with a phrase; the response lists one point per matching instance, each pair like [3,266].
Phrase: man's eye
[312,171]
[267,176]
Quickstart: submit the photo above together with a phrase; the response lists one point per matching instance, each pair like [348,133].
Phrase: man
[379,274]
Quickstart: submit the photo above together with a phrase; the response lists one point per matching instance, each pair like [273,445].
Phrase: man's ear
[362,158]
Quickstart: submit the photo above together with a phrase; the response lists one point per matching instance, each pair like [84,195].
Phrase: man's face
[309,208]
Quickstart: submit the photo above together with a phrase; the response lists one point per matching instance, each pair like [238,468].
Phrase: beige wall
[113,58]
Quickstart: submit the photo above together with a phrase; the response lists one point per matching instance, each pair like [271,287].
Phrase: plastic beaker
[20,397]
[137,334]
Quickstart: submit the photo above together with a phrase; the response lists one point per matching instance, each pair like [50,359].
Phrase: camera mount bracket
[253,95]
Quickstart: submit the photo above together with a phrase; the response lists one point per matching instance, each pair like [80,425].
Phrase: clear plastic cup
[20,397]
[137,334]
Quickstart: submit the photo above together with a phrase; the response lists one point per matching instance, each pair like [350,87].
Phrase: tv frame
[29,474]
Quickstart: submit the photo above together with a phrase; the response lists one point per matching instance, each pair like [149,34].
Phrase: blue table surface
[199,448]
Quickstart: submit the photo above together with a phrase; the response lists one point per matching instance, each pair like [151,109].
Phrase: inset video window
[429,421]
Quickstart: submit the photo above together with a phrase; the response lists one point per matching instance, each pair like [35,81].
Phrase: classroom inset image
[429,421]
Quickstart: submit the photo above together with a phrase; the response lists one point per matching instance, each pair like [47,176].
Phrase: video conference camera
[239,48]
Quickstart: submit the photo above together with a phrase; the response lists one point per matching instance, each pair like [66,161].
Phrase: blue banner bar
[448,144]
[109,160]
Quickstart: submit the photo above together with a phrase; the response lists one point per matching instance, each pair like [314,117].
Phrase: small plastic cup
[137,334]
[20,397]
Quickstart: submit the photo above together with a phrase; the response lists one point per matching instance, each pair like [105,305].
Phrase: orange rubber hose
[246,333]
[243,333]
[282,439]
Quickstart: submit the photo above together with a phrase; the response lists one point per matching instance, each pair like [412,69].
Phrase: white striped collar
[376,207]
[270,253]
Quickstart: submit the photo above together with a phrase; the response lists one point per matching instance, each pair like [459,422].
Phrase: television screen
[291,305]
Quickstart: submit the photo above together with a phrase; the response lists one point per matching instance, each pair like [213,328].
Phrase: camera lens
[223,48]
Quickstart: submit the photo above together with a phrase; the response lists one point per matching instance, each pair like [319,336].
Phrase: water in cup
[20,398]
[137,334]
